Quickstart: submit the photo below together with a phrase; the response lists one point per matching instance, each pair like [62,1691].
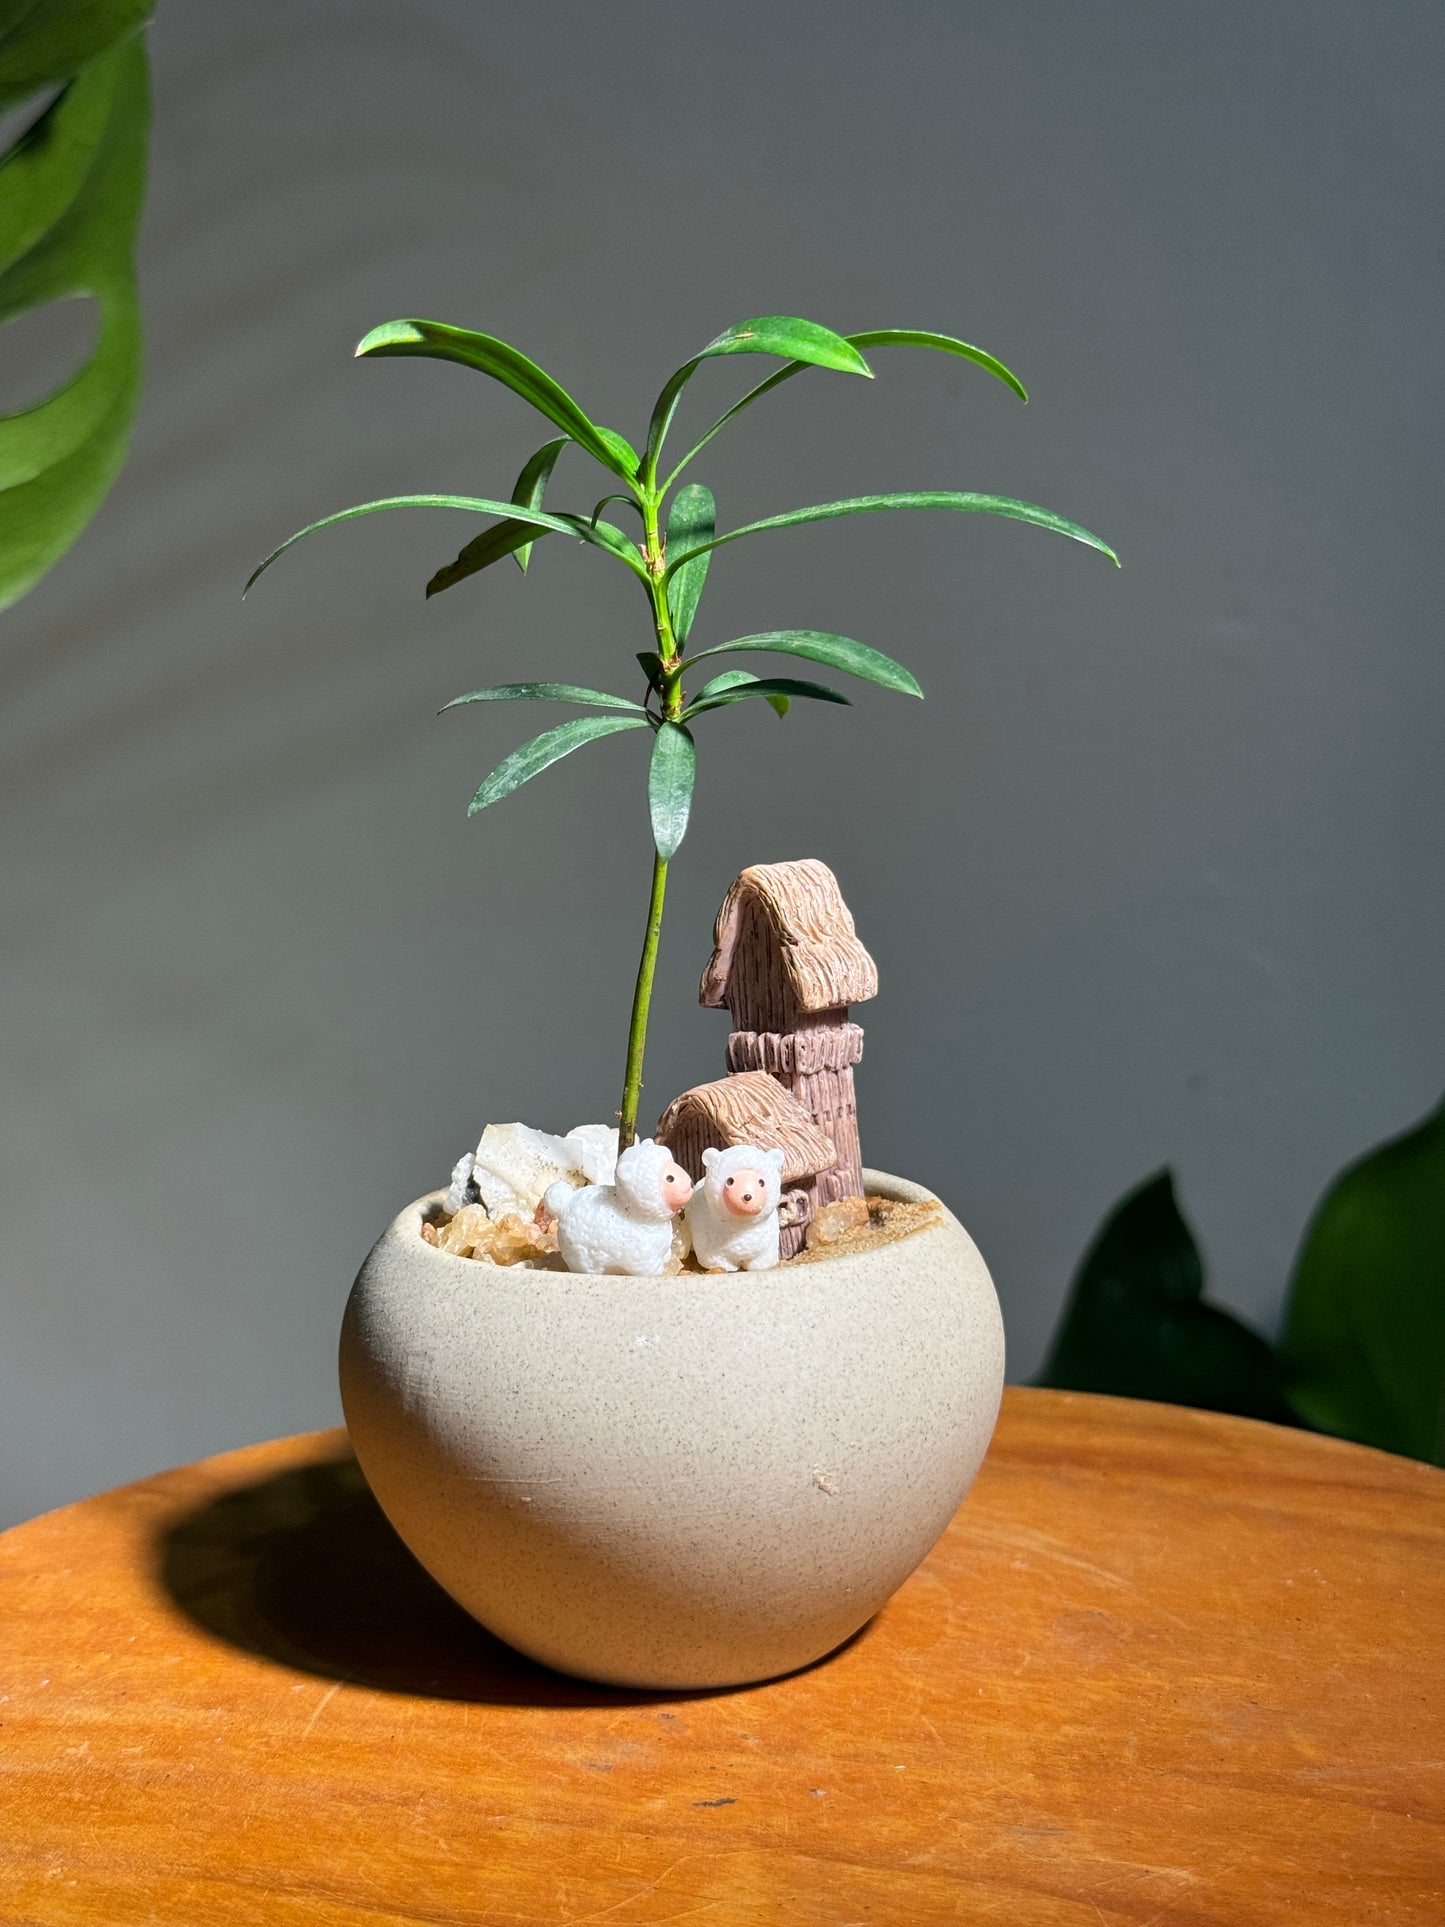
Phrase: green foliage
[438,342]
[1137,1324]
[671,561]
[1363,1353]
[542,692]
[691,526]
[1364,1338]
[544,750]
[670,778]
[71,190]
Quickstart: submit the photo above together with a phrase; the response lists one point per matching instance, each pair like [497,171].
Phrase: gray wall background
[1153,875]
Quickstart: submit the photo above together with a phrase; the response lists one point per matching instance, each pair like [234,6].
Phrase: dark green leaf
[870,338]
[47,41]
[603,535]
[838,652]
[530,488]
[1364,1342]
[670,779]
[738,686]
[71,190]
[548,748]
[736,679]
[1136,1324]
[963,504]
[651,667]
[575,525]
[805,342]
[691,522]
[502,538]
[542,692]
[438,341]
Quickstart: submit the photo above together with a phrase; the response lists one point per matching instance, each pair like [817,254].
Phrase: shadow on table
[304,1568]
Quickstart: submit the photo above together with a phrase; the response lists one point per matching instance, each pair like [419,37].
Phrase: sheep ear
[710,1157]
[775,1158]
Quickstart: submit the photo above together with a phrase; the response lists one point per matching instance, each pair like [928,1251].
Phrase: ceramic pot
[673,1482]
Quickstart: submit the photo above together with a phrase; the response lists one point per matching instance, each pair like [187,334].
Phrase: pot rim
[408,1222]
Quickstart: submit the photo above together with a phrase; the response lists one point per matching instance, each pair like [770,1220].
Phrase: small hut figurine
[786,964]
[753,1108]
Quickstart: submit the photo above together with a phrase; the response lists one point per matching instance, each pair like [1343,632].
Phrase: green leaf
[603,536]
[1364,1341]
[737,686]
[71,191]
[691,520]
[736,679]
[805,342]
[502,538]
[47,41]
[548,748]
[1136,1324]
[670,778]
[440,342]
[838,652]
[963,504]
[542,692]
[531,486]
[870,338]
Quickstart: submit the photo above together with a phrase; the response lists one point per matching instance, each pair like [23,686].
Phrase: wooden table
[1165,1667]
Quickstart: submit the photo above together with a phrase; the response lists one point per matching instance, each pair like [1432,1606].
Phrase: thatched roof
[749,1107]
[803,912]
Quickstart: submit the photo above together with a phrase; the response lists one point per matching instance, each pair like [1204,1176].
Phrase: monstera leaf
[1137,1323]
[71,190]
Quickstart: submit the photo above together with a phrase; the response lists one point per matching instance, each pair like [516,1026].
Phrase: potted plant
[671,1480]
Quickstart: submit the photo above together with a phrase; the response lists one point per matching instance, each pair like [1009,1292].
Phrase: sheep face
[743,1181]
[650,1182]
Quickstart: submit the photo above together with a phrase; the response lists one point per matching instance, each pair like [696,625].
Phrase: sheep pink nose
[676,1186]
[745,1193]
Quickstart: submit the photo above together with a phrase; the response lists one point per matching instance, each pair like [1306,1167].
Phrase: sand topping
[838,1231]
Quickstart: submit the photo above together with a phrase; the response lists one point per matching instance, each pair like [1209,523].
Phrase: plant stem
[641,999]
[672,707]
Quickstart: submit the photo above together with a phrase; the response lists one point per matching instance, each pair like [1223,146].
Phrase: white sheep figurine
[733,1216]
[623,1228]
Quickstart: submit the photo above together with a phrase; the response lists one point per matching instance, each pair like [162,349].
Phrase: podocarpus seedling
[670,563]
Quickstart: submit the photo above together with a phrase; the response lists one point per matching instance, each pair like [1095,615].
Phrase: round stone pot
[673,1482]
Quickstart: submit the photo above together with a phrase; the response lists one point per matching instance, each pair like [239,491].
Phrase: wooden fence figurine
[753,1108]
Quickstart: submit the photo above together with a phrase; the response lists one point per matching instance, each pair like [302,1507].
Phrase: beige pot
[673,1482]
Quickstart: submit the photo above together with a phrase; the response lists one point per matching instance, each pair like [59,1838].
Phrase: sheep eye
[730,1184]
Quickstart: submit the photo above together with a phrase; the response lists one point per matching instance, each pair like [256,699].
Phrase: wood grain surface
[1164,1667]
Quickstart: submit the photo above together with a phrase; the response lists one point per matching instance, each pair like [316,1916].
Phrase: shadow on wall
[304,1569]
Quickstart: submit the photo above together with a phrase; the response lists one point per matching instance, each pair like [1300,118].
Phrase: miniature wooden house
[753,1108]
[787,964]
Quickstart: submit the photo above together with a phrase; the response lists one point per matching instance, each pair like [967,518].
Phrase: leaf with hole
[71,191]
[816,645]
[670,779]
[691,523]
[542,692]
[438,341]
[960,503]
[806,342]
[544,750]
